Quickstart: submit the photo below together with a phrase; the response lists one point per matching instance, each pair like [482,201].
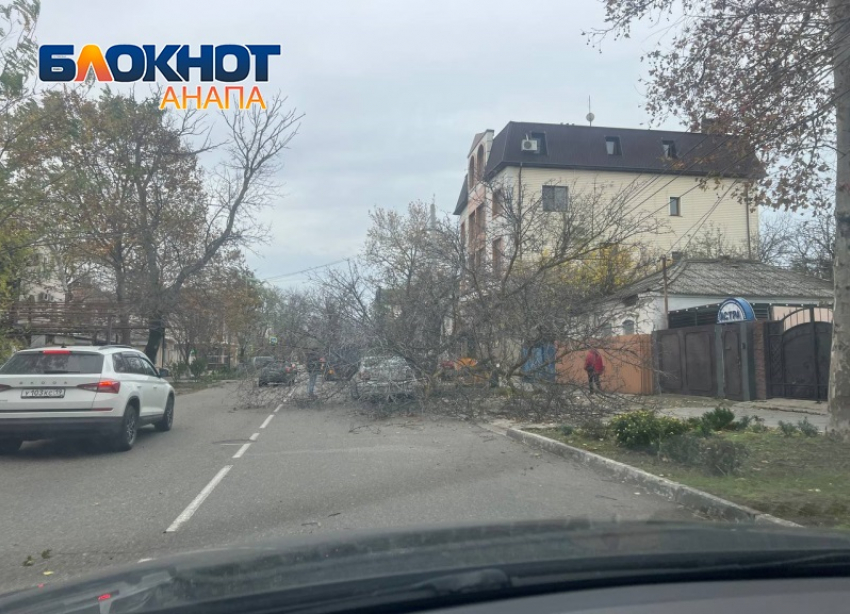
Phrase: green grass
[802,479]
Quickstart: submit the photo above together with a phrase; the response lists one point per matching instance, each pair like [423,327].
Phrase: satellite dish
[590,117]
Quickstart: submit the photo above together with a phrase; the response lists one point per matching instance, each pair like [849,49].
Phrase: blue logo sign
[735,310]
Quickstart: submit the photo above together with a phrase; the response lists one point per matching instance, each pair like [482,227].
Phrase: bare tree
[776,75]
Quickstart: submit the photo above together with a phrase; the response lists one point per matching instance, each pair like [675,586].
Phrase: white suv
[108,391]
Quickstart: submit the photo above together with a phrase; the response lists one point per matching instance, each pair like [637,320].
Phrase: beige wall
[627,360]
[648,193]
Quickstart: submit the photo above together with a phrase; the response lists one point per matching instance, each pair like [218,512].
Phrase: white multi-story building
[686,181]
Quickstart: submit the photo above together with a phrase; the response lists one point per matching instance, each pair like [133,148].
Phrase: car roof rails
[114,345]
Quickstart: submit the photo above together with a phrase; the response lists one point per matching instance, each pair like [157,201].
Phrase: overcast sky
[393,92]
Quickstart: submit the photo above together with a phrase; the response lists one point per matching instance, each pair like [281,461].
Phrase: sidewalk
[771,416]
[772,411]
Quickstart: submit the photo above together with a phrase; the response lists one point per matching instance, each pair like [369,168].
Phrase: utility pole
[839,366]
[747,214]
[666,304]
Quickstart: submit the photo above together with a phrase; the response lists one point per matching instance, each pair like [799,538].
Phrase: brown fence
[628,365]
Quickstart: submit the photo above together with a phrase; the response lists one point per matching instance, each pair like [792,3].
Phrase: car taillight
[106,385]
[59,351]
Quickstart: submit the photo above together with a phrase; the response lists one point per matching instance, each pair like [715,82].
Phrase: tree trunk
[123,316]
[156,333]
[839,376]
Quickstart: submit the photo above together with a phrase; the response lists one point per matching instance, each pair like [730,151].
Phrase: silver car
[384,377]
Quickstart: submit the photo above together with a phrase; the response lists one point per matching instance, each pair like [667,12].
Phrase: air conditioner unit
[530,145]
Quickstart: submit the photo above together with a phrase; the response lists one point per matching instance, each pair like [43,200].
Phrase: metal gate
[799,347]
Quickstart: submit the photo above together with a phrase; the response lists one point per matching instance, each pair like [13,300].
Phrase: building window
[478,258]
[555,198]
[498,203]
[498,247]
[669,148]
[675,206]
[462,234]
[628,327]
[471,174]
[479,163]
[612,145]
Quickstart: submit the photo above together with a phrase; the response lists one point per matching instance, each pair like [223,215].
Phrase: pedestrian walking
[594,366]
[314,366]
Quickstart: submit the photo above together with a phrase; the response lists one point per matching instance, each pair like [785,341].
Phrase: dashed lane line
[196,503]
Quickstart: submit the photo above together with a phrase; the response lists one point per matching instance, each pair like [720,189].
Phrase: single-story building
[695,289]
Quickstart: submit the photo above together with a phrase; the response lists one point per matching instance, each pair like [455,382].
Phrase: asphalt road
[305,468]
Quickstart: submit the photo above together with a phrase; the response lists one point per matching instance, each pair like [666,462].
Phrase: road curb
[691,498]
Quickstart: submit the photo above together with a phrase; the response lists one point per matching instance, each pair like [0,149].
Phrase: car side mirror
[163,373]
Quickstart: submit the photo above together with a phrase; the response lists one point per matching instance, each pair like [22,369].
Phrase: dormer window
[669,148]
[612,145]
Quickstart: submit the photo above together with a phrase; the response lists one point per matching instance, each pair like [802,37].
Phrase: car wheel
[167,418]
[125,438]
[10,445]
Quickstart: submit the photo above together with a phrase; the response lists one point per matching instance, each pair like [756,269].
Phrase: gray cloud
[393,92]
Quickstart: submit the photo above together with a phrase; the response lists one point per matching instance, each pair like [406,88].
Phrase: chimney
[707,124]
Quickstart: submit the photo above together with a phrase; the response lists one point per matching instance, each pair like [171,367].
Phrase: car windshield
[43,363]
[295,270]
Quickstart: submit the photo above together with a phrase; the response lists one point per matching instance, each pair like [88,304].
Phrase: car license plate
[43,393]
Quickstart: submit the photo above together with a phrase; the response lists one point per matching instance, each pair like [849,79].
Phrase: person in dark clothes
[315,362]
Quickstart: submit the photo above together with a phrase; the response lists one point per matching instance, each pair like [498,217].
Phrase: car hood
[299,562]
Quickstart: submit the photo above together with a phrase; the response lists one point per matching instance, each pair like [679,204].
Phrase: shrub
[198,367]
[566,430]
[788,429]
[685,449]
[594,428]
[807,428]
[757,425]
[723,457]
[178,369]
[645,429]
[719,419]
[743,423]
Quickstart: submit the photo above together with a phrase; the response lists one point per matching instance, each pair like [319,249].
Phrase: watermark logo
[209,64]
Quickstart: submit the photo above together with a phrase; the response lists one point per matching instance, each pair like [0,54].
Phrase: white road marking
[277,409]
[242,450]
[266,421]
[194,505]
[254,437]
[144,560]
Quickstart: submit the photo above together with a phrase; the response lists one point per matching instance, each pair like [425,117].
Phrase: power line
[315,268]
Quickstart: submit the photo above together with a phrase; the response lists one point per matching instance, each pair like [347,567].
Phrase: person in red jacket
[594,366]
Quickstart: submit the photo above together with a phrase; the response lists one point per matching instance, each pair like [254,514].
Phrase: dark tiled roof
[464,196]
[731,278]
[583,147]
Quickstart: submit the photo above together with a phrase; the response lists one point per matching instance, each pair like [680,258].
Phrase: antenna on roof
[590,116]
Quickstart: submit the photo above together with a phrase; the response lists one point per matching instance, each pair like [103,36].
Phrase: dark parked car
[278,373]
